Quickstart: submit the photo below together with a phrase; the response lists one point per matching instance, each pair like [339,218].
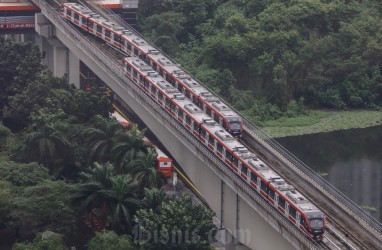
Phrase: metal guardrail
[104,60]
[288,158]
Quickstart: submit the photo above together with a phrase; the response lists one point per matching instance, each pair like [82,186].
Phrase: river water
[351,160]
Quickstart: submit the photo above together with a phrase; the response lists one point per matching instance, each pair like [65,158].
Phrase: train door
[206,139]
[112,37]
[95,28]
[276,200]
[298,216]
[176,112]
[258,184]
[80,21]
[223,153]
[287,210]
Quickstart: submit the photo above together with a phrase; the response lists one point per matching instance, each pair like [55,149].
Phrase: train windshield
[316,223]
[235,125]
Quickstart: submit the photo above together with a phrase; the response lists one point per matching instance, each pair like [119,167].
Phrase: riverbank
[319,121]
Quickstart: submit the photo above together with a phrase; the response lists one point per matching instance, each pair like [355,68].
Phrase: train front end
[235,125]
[316,226]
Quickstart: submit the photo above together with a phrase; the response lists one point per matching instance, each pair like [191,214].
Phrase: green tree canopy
[44,241]
[45,206]
[178,224]
[110,240]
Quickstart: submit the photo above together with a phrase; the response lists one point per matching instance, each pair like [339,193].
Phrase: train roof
[141,43]
[224,137]
[194,86]
[79,8]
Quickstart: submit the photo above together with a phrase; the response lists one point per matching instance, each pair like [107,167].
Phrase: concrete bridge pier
[59,59]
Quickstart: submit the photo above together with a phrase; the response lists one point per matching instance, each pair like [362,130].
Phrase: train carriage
[163,162]
[208,102]
[191,104]
[77,14]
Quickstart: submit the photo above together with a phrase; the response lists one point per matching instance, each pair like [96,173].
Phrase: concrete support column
[60,60]
[74,69]
[56,56]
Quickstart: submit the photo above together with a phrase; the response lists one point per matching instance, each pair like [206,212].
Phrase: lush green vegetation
[322,121]
[273,58]
[67,170]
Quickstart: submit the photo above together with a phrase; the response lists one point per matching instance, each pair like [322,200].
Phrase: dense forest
[271,58]
[72,176]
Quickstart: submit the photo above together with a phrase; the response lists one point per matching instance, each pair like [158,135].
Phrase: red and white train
[277,191]
[283,196]
[134,45]
[163,162]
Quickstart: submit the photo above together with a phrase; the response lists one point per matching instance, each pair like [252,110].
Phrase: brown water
[351,160]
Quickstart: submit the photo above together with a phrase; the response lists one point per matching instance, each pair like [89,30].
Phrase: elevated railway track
[349,226]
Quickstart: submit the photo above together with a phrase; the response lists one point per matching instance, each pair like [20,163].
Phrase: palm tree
[144,172]
[153,198]
[111,196]
[129,146]
[121,201]
[97,179]
[49,146]
[101,139]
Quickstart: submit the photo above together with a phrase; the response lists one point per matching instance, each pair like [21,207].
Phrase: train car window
[99,29]
[203,133]
[281,202]
[197,128]
[224,125]
[216,118]
[153,91]
[219,148]
[168,102]
[188,120]
[136,51]
[271,194]
[187,94]
[107,33]
[161,72]
[155,67]
[117,39]
[170,80]
[244,170]
[264,187]
[69,12]
[235,161]
[180,113]
[128,67]
[141,79]
[180,88]
[135,73]
[303,222]
[89,24]
[253,177]
[76,16]
[128,46]
[292,212]
[195,100]
[228,155]
[172,107]
[160,96]
[210,140]
[208,111]
[146,83]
